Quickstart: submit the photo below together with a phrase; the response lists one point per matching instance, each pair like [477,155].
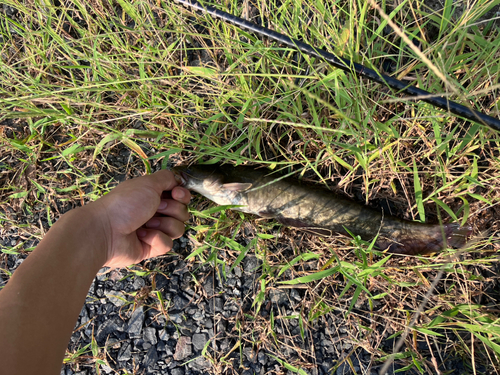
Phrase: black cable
[349,66]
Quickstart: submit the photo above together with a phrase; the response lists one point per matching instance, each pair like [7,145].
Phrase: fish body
[319,210]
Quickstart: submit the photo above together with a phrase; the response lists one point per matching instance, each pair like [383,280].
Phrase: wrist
[83,228]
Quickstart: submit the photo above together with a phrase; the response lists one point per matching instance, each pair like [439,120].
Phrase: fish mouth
[181,177]
[184,178]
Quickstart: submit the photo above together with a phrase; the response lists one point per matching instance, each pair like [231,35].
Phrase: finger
[162,180]
[181,194]
[168,225]
[173,208]
[154,242]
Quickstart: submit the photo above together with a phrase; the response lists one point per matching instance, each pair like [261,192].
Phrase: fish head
[211,182]
[198,177]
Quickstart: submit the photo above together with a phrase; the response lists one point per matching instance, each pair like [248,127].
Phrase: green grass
[152,83]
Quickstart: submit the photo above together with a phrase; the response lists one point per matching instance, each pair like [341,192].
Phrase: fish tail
[427,239]
[457,235]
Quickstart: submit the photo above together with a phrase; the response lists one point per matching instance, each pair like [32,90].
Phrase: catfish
[318,210]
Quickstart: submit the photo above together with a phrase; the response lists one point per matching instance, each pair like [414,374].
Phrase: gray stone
[139,283]
[222,325]
[161,281]
[138,344]
[107,328]
[149,335]
[209,285]
[125,352]
[102,274]
[278,296]
[237,271]
[114,343]
[151,357]
[183,348]
[174,281]
[163,335]
[135,323]
[199,364]
[344,369]
[326,342]
[160,346]
[84,315]
[295,294]
[250,354]
[199,341]
[177,371]
[262,357]
[346,346]
[327,365]
[181,266]
[179,302]
[251,264]
[161,320]
[224,345]
[176,318]
[198,315]
[217,304]
[116,298]
[106,369]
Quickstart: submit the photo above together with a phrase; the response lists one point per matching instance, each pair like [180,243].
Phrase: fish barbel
[317,209]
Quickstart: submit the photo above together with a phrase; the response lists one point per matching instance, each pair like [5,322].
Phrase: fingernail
[141,232]
[162,205]
[153,223]
[180,194]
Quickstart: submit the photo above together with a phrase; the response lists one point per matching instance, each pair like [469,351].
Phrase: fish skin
[316,209]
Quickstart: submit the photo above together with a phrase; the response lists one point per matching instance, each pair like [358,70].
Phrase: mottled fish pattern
[317,209]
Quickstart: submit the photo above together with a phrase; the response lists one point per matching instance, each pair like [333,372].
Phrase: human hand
[140,217]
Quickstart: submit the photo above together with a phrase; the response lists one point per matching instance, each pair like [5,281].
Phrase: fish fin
[297,223]
[318,231]
[267,214]
[237,186]
[457,235]
[289,222]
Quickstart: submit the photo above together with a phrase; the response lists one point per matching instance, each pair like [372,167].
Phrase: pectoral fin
[237,186]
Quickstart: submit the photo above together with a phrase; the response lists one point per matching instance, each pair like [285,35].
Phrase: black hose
[349,66]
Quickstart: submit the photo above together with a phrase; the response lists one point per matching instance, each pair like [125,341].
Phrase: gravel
[183,348]
[199,340]
[136,322]
[203,309]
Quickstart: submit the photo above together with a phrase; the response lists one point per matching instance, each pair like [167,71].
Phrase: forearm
[41,302]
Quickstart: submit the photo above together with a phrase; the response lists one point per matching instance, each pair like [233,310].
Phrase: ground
[96,93]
